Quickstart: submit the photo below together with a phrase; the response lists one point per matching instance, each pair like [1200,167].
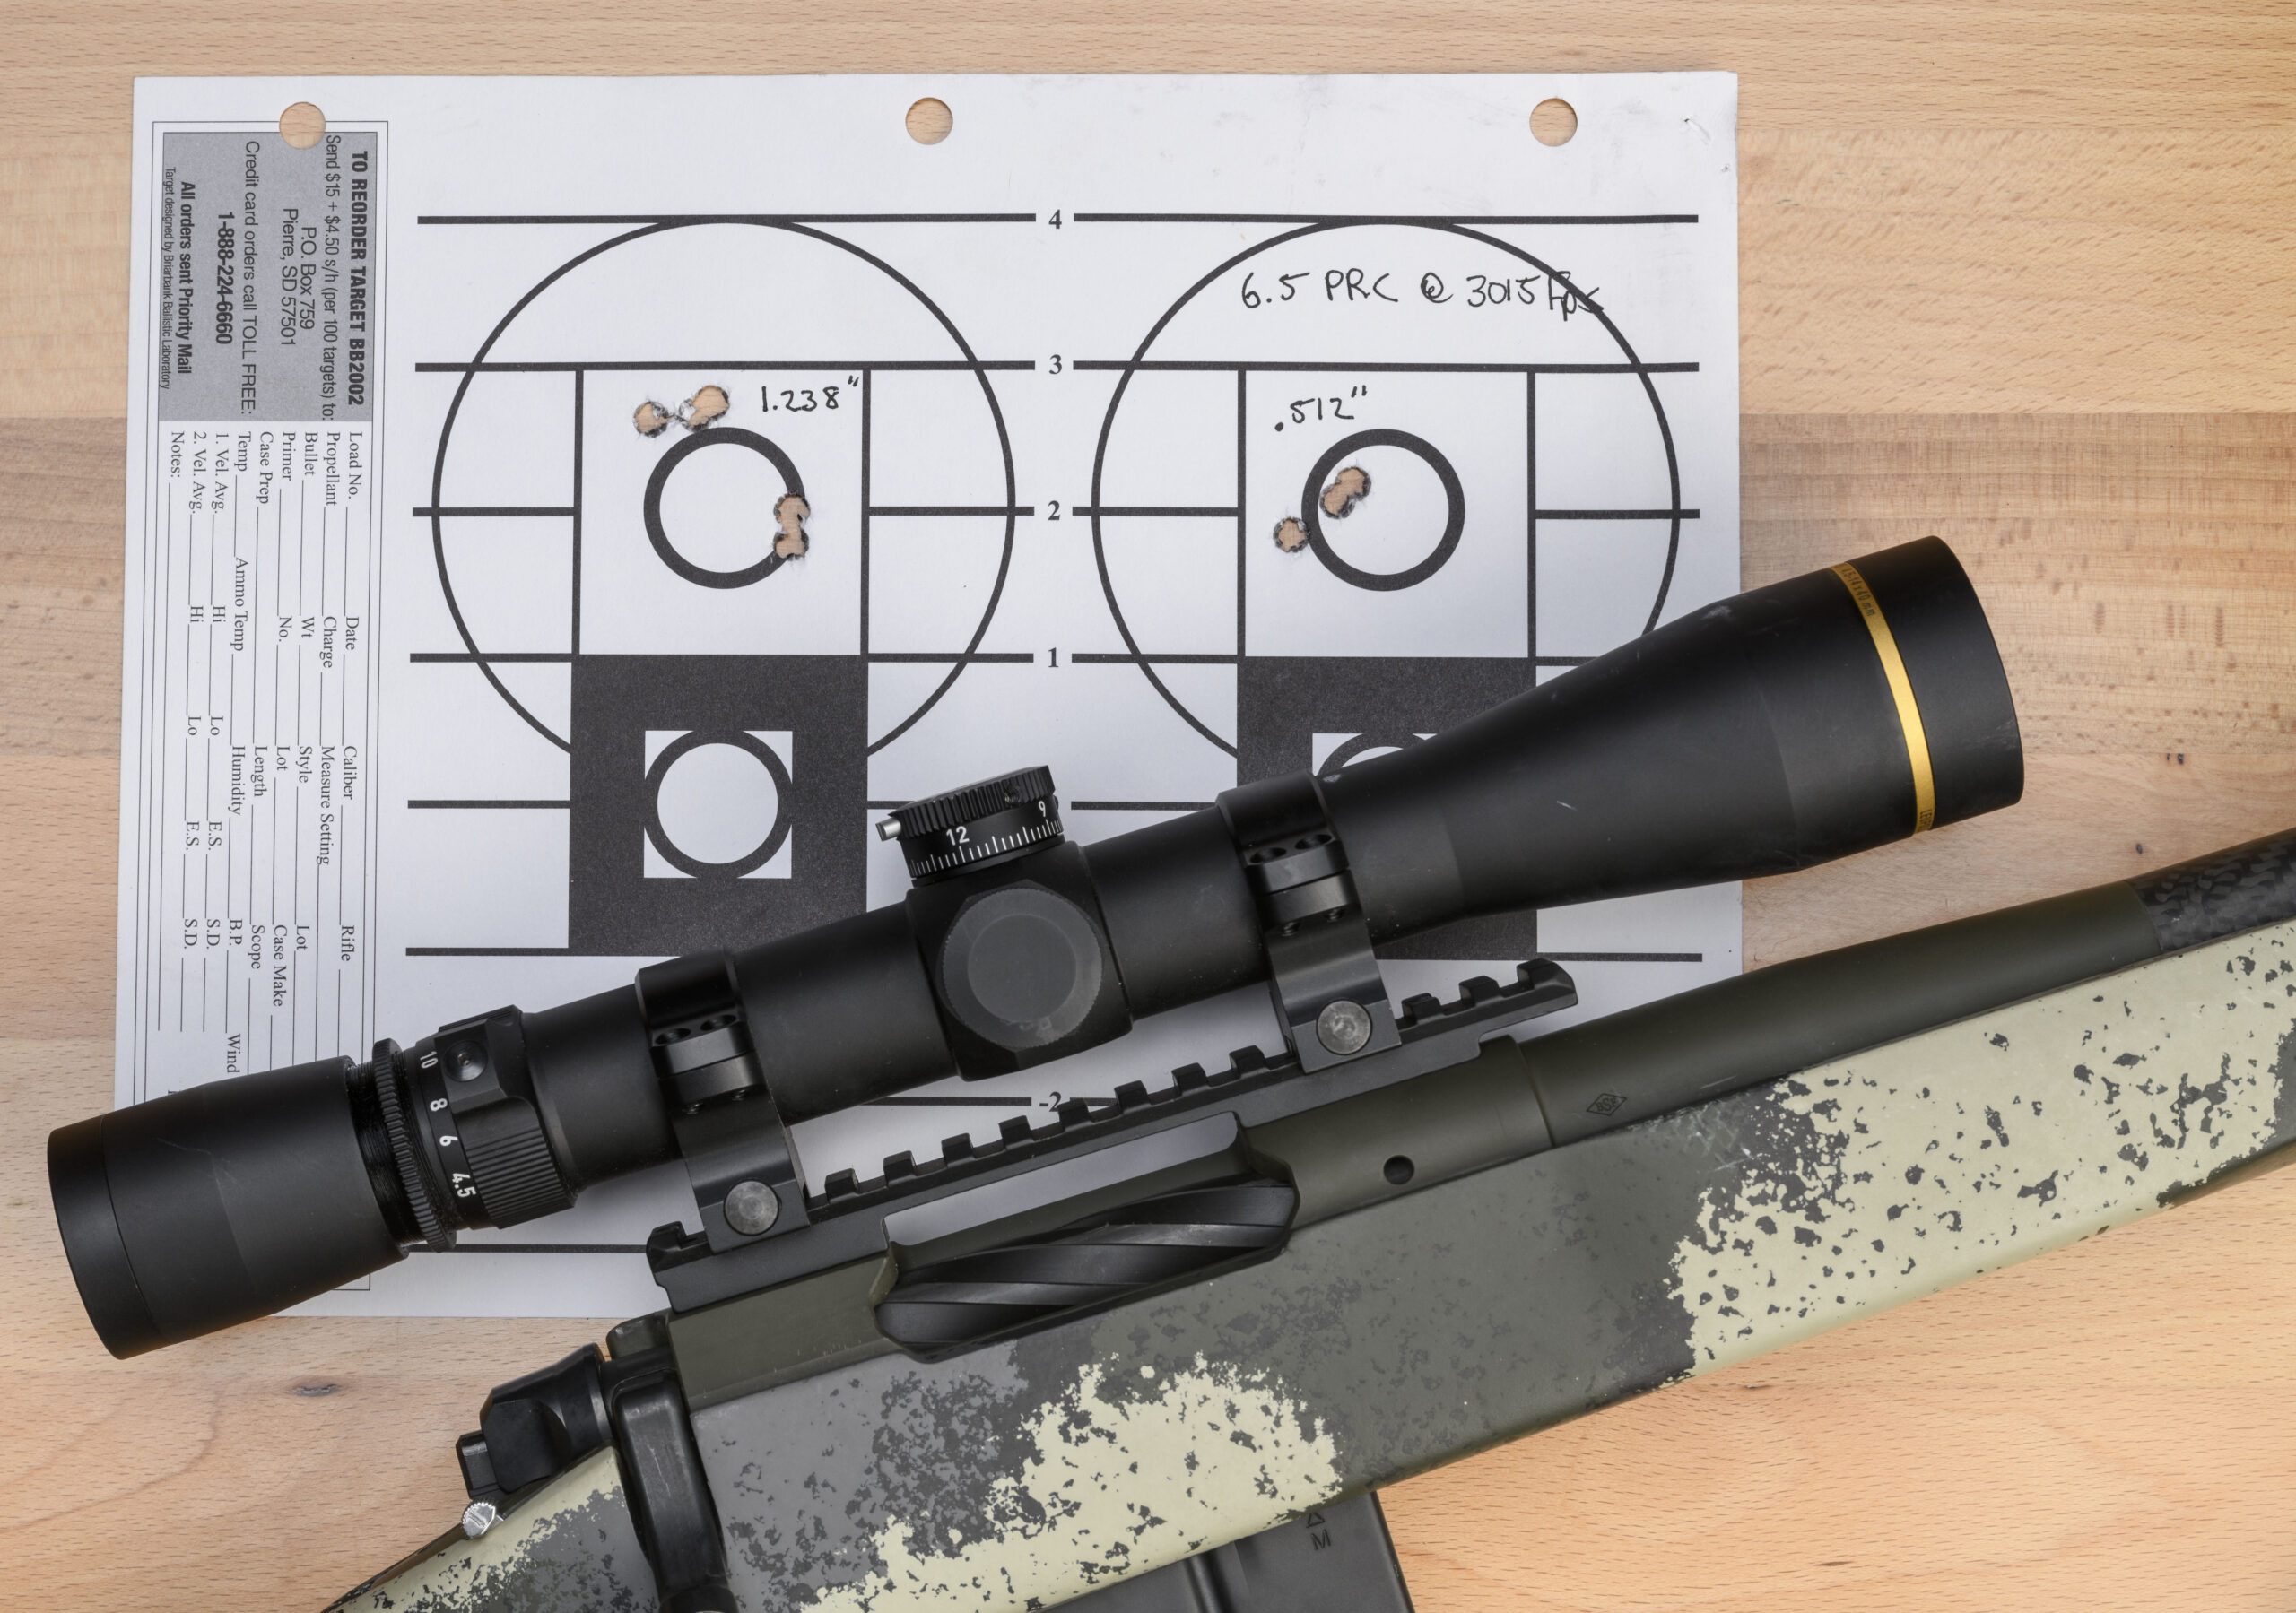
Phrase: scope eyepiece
[218,1204]
[226,1202]
[1786,726]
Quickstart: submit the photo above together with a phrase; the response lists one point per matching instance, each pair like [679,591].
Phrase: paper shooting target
[677,557]
[1411,476]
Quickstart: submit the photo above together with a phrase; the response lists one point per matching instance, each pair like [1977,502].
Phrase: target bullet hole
[1346,490]
[929,121]
[301,124]
[1553,122]
[1349,488]
[705,407]
[1398,1169]
[789,513]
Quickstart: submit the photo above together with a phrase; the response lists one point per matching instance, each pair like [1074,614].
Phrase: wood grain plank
[61,557]
[63,266]
[1982,216]
[57,890]
[1988,270]
[2134,567]
[2140,574]
[2091,64]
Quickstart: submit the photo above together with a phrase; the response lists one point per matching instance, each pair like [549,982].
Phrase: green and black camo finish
[1434,1321]
[569,1547]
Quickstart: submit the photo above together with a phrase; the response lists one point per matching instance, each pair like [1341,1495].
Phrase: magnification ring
[406,1153]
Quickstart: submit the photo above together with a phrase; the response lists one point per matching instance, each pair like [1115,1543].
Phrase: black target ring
[735,436]
[1360,745]
[740,739]
[1311,510]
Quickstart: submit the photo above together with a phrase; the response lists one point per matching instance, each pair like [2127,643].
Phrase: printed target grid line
[474,514]
[1431,220]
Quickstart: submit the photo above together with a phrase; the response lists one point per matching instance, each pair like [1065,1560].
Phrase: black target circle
[736,436]
[1363,745]
[1311,510]
[749,861]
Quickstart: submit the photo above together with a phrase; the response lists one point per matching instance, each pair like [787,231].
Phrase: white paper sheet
[425,713]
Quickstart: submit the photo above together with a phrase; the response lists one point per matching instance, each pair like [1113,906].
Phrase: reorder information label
[248,838]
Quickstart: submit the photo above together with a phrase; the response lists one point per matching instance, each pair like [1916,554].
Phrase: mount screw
[1343,1027]
[752,1207]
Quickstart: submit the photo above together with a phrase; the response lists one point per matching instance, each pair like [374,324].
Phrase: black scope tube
[1777,728]
[1756,736]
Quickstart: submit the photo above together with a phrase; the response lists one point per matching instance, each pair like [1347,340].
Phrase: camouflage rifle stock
[1490,1247]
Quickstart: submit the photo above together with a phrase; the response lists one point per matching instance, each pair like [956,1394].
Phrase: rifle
[1593,1214]
[1816,717]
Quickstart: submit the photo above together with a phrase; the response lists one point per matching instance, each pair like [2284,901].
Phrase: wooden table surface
[2019,275]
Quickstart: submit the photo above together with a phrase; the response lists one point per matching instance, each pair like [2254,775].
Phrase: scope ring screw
[752,1207]
[478,1517]
[1343,1027]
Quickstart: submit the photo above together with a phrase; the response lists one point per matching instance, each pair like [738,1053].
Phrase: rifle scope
[1777,728]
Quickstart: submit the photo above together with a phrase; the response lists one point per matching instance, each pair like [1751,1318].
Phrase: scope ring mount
[738,1155]
[1324,979]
